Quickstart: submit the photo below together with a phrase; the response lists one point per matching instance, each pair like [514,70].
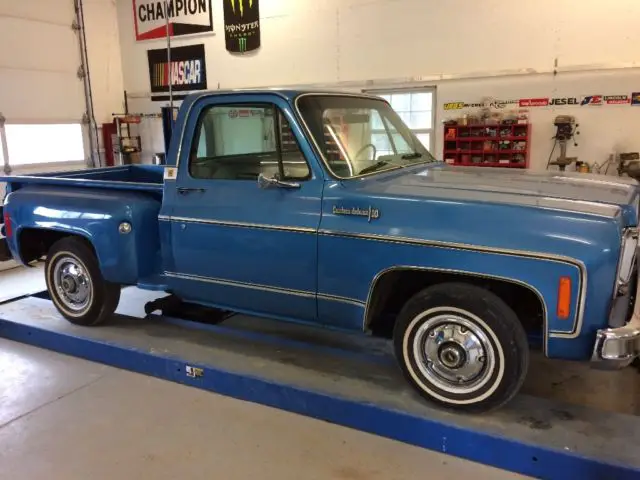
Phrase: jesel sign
[186,17]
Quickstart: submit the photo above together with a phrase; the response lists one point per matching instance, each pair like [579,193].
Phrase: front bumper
[617,347]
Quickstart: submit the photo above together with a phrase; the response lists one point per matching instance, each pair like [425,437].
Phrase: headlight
[627,255]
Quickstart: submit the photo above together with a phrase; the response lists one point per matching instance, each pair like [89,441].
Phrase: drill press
[565,130]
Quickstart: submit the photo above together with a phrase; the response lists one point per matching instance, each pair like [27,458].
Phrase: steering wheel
[368,145]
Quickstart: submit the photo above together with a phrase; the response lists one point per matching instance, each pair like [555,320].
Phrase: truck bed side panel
[94,214]
[146,178]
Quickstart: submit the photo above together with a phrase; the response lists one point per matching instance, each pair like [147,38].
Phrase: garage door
[41,97]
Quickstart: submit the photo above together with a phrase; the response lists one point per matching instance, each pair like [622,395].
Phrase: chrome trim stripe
[582,288]
[259,226]
[94,172]
[336,298]
[265,288]
[233,283]
[56,180]
[607,210]
[578,319]
[377,277]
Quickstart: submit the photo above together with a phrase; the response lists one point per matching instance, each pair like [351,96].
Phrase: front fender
[94,215]
[566,338]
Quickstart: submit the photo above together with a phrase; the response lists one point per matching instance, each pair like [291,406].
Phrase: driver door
[237,244]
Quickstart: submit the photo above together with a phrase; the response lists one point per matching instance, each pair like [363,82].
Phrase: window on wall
[30,144]
[415,107]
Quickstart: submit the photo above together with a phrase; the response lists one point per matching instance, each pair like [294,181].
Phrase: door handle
[185,190]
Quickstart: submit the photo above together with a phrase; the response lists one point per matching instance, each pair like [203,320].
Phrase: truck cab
[324,208]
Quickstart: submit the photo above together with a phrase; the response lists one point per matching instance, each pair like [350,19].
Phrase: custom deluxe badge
[370,213]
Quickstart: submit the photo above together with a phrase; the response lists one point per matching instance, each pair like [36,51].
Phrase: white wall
[378,43]
[105,60]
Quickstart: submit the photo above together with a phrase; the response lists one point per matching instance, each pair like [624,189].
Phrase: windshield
[360,135]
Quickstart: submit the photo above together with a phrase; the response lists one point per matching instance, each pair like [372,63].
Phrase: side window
[239,142]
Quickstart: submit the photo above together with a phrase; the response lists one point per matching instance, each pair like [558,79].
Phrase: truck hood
[569,191]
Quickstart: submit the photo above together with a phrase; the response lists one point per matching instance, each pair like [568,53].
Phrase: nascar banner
[187,72]
[186,17]
[241,25]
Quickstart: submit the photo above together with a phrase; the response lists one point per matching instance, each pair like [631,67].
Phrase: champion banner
[241,25]
[187,72]
[186,17]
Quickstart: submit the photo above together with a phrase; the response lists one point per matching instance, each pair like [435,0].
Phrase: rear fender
[124,258]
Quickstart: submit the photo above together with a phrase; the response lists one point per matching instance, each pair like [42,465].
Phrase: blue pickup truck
[324,208]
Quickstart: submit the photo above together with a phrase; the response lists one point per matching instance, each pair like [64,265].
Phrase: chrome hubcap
[454,353]
[452,356]
[72,284]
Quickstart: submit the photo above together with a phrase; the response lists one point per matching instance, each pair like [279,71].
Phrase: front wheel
[76,285]
[462,347]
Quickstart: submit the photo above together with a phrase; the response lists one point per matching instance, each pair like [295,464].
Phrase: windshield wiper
[373,168]
[411,156]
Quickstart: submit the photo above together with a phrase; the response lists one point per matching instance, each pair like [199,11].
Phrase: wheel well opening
[394,289]
[35,243]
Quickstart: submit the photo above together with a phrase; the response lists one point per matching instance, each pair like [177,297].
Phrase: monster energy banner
[241,25]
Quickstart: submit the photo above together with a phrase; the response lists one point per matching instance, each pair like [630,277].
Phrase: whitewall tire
[460,346]
[75,283]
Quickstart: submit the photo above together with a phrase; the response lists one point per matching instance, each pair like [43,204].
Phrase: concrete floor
[19,281]
[66,418]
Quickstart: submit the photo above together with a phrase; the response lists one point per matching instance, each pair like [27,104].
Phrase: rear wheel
[462,347]
[76,285]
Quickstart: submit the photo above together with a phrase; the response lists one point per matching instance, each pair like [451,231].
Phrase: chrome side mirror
[266,182]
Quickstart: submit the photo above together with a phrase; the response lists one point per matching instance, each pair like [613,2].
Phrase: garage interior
[540,88]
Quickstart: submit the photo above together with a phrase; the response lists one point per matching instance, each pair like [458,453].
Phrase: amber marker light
[564,298]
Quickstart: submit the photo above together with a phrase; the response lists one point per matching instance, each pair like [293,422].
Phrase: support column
[4,145]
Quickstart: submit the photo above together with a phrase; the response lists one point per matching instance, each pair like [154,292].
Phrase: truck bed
[128,177]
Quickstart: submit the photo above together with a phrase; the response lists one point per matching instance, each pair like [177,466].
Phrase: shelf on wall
[480,145]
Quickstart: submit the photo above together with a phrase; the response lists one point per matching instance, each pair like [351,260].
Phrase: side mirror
[266,182]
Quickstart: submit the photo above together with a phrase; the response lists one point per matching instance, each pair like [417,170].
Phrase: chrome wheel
[454,353]
[72,284]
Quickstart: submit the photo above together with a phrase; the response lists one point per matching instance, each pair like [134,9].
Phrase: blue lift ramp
[341,378]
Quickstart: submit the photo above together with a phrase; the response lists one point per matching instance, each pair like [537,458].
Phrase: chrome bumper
[617,347]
